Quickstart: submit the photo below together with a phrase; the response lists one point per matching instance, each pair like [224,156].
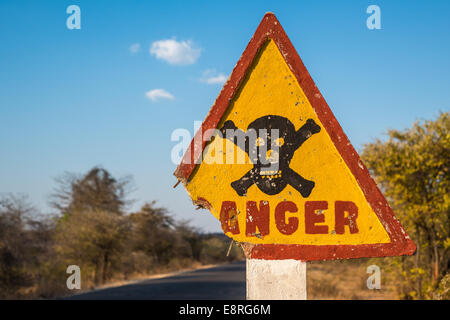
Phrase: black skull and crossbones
[266,154]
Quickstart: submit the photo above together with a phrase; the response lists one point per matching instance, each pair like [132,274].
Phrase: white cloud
[135,48]
[157,94]
[210,76]
[175,52]
[219,79]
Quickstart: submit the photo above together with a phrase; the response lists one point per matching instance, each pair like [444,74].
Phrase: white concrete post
[276,279]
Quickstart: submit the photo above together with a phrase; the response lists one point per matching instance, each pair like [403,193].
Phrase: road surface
[224,282]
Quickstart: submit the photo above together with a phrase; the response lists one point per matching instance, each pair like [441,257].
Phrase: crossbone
[271,181]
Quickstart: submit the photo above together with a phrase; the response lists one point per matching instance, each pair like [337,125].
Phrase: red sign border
[400,243]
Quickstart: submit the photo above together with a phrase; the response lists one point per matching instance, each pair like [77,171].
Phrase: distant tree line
[94,231]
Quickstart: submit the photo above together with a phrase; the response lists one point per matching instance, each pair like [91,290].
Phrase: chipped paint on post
[316,200]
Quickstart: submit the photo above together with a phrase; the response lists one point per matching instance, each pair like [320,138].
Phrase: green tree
[24,240]
[412,168]
[93,240]
[192,237]
[96,190]
[153,232]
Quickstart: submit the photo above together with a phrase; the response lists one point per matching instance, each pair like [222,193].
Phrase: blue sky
[73,99]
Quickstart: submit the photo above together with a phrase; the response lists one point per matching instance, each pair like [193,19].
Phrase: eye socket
[279,142]
[260,141]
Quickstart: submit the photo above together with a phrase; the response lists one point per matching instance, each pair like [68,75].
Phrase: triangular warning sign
[272,163]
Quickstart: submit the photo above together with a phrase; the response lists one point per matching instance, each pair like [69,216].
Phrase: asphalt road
[223,282]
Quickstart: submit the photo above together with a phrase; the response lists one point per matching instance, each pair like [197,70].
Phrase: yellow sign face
[273,165]
[334,213]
